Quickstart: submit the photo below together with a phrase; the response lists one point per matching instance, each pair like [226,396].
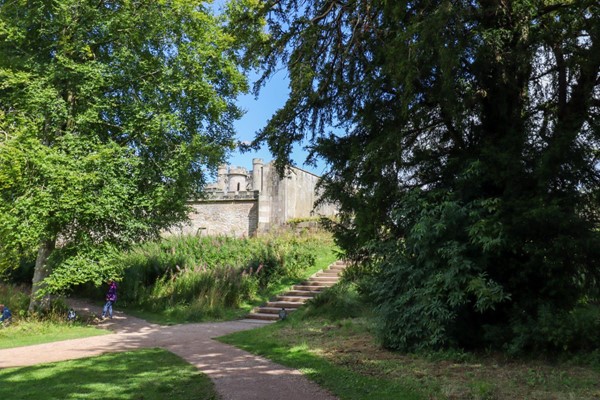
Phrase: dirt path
[236,373]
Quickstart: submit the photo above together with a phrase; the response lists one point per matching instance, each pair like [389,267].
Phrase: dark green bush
[458,278]
[429,278]
[556,331]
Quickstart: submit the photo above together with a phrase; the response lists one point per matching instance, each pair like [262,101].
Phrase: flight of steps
[299,294]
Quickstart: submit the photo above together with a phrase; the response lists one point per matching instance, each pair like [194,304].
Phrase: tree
[112,113]
[467,170]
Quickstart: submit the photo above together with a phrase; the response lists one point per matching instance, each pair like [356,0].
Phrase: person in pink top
[111,298]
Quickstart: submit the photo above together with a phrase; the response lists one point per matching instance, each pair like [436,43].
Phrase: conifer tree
[462,141]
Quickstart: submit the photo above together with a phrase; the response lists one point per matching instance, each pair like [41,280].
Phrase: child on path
[111,298]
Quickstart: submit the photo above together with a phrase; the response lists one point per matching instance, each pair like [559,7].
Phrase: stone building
[246,203]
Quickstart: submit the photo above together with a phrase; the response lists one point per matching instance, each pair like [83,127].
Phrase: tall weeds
[205,276]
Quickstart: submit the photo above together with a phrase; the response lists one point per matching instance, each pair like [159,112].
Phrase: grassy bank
[193,279]
[341,354]
[144,374]
[182,279]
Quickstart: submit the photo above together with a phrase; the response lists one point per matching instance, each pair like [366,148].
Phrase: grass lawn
[25,333]
[150,374]
[344,357]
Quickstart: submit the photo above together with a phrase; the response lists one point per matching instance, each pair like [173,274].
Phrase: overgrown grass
[333,342]
[192,279]
[144,374]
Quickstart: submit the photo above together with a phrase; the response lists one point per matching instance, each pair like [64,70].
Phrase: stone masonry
[246,203]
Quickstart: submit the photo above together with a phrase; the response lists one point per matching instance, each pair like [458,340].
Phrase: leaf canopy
[462,142]
[112,114]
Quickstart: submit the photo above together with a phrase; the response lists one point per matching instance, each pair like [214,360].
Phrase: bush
[458,278]
[433,279]
[553,331]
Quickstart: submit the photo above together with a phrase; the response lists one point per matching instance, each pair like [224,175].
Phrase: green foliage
[438,271]
[15,298]
[439,286]
[111,116]
[464,161]
[294,222]
[336,303]
[143,374]
[197,278]
[201,294]
[573,332]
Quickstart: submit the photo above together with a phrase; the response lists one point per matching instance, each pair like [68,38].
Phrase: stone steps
[306,288]
[299,294]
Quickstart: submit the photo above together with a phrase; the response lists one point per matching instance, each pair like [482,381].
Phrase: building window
[238,189]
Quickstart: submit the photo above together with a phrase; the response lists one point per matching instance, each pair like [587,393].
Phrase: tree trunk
[41,272]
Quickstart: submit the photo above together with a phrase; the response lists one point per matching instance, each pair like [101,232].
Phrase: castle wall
[235,217]
[245,204]
[294,196]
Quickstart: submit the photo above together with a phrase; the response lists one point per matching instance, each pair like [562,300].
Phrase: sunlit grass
[208,292]
[336,347]
[150,374]
[343,382]
[30,332]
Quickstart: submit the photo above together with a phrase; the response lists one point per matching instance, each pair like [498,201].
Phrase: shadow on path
[237,374]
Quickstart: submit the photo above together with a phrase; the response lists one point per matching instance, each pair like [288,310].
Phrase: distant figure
[5,315]
[111,298]
[282,314]
[71,316]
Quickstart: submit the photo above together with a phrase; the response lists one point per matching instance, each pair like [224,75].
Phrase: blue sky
[258,111]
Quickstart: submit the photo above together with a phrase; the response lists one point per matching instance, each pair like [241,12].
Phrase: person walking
[111,298]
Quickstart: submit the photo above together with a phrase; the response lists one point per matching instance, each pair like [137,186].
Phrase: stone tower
[257,174]
[238,179]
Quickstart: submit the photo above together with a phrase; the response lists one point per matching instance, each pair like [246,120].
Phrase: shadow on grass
[145,374]
[342,382]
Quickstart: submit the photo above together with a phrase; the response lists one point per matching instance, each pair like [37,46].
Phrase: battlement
[218,195]
[244,203]
[238,171]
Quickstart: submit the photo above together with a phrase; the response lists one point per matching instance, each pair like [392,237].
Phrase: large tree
[464,156]
[111,115]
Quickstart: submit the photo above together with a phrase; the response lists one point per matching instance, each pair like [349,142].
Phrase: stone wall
[243,203]
[233,217]
[292,197]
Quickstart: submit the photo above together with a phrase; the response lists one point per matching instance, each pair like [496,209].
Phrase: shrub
[555,331]
[459,278]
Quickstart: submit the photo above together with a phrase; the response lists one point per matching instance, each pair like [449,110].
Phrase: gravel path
[236,373]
